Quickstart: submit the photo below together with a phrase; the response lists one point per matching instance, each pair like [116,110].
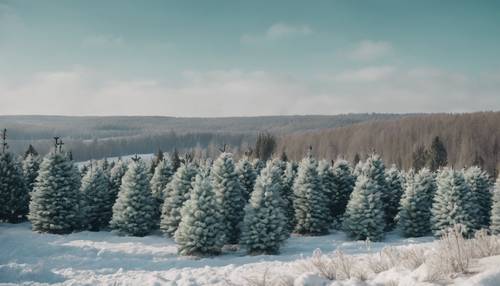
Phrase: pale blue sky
[248,57]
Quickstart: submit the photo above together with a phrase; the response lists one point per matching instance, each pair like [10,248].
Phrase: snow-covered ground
[103,258]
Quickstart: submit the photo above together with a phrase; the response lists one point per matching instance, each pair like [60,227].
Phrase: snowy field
[102,258]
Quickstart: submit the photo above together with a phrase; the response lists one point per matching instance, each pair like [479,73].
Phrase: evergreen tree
[479,184]
[258,165]
[419,157]
[55,201]
[374,168]
[247,176]
[344,180]
[414,217]
[453,203]
[495,209]
[162,176]
[327,179]
[134,209]
[264,146]
[30,167]
[265,225]
[156,160]
[364,216]
[115,180]
[394,191]
[84,169]
[176,193]
[437,157]
[229,194]
[30,151]
[14,194]
[310,204]
[96,208]
[287,194]
[201,229]
[176,161]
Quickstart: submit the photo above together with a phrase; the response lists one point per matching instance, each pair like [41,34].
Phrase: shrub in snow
[55,201]
[115,179]
[176,193]
[265,225]
[415,210]
[133,210]
[364,216]
[14,194]
[163,174]
[453,203]
[229,195]
[201,230]
[31,164]
[495,209]
[394,191]
[479,184]
[344,181]
[247,176]
[310,203]
[95,195]
[327,179]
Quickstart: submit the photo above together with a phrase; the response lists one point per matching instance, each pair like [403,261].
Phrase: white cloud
[277,31]
[370,50]
[367,74]
[100,41]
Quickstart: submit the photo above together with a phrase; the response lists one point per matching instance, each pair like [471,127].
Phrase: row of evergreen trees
[205,205]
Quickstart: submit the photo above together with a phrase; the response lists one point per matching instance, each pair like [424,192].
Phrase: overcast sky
[241,58]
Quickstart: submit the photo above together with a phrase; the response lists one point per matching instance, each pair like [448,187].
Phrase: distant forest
[469,138]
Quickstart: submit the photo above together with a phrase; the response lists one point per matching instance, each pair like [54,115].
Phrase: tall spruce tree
[162,176]
[176,193]
[437,156]
[247,176]
[344,180]
[201,229]
[394,190]
[14,193]
[365,217]
[30,167]
[287,194]
[495,209]
[414,217]
[453,203]
[480,186]
[327,178]
[97,210]
[265,225]
[115,180]
[310,203]
[134,209]
[55,201]
[229,193]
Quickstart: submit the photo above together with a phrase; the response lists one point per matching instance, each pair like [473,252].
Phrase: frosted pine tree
[14,194]
[229,193]
[287,194]
[55,201]
[414,217]
[495,209]
[394,191]
[162,175]
[310,203]
[176,193]
[201,230]
[374,168]
[115,180]
[265,225]
[258,165]
[480,186]
[134,209]
[31,164]
[327,178]
[95,195]
[247,176]
[453,203]
[364,216]
[344,180]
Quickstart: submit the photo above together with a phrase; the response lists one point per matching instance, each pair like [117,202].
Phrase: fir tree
[176,161]
[229,194]
[201,229]
[14,194]
[247,176]
[415,210]
[265,225]
[495,209]
[258,165]
[310,204]
[394,191]
[374,168]
[479,184]
[96,208]
[437,156]
[176,193]
[364,216]
[162,176]
[31,164]
[287,194]
[453,203]
[134,209]
[55,201]
[115,180]
[327,179]
[344,180]
[30,151]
